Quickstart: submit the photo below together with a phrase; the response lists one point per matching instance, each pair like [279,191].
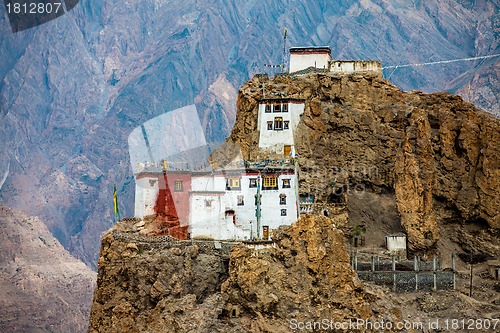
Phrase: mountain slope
[43,288]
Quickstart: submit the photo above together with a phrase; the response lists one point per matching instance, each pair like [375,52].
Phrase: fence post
[373,263]
[434,272]
[471,274]
[415,264]
[394,273]
[453,269]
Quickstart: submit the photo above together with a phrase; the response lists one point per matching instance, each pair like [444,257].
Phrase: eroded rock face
[145,285]
[152,287]
[414,185]
[305,276]
[363,133]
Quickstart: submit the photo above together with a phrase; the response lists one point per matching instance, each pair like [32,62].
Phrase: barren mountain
[43,287]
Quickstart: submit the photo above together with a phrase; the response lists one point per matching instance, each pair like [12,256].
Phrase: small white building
[310,56]
[494,268]
[396,242]
[277,122]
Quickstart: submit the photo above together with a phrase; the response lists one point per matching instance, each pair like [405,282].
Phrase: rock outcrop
[437,154]
[150,284]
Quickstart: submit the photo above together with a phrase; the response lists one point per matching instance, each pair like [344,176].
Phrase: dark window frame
[282,199]
[230,186]
[278,123]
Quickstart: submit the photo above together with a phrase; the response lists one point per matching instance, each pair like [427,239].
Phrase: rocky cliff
[300,282]
[435,156]
[151,284]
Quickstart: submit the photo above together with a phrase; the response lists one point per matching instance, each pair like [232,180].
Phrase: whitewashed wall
[145,196]
[352,66]
[275,140]
[205,221]
[211,222]
[303,61]
[395,243]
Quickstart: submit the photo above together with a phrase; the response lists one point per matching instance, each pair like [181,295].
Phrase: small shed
[494,268]
[396,242]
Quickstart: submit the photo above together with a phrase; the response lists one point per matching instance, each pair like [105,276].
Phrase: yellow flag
[115,202]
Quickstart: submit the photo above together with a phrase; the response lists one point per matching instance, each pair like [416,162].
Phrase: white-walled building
[310,56]
[222,204]
[320,57]
[146,192]
[396,242]
[277,122]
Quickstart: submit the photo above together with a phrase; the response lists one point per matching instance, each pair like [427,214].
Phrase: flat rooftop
[311,49]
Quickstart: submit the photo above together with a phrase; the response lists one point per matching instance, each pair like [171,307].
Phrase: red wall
[181,199]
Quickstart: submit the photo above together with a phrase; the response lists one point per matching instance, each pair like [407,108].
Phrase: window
[208,203]
[277,107]
[241,201]
[178,186]
[268,108]
[286,124]
[270,183]
[233,184]
[287,150]
[283,212]
[285,108]
[152,182]
[278,123]
[253,183]
[270,125]
[286,183]
[282,199]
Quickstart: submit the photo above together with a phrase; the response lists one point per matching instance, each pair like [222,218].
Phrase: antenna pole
[284,52]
